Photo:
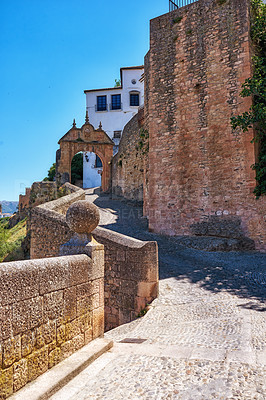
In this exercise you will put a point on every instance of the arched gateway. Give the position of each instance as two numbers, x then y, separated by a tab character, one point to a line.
84	139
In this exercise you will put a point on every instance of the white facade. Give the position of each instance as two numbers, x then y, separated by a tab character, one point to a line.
92	175
113	110
114	120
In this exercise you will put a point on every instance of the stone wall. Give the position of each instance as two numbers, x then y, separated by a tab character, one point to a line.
128	163
130	276
131	266
49	308
24	200
48	226
199	168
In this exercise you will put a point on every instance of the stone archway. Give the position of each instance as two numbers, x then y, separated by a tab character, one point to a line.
84	139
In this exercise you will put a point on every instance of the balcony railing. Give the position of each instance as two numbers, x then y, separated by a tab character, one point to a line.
174	4
114	107
100	108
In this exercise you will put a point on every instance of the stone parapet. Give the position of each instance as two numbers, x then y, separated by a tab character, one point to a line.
131	265
131	276
49	229
49	308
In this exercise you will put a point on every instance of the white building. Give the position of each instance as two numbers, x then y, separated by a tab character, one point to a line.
115	106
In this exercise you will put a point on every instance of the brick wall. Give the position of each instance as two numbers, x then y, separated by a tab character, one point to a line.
199	168
128	163
49	308
131	266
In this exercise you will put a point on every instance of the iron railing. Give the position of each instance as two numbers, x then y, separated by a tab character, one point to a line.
174	4
116	107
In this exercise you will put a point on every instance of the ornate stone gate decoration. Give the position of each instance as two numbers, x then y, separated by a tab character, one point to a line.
86	138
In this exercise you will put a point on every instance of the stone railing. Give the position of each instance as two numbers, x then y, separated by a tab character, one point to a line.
49	229
49	308
130	276
131	265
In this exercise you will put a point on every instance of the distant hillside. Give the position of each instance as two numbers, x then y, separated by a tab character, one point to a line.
12	241
9	206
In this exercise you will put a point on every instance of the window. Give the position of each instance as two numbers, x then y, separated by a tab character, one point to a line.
134	99
101	103
98	162
117	134
116	102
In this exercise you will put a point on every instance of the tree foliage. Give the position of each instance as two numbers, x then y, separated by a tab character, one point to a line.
255	86
51	173
77	168
117	82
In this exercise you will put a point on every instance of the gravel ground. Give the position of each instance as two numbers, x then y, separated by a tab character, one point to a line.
203	338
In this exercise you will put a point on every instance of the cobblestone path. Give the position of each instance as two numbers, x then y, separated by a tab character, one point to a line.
203	338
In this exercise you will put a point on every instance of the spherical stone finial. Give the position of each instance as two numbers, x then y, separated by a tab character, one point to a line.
82	217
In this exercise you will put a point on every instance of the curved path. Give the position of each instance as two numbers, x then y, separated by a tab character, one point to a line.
203	338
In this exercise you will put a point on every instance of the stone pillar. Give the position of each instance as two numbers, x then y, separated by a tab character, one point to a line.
82	218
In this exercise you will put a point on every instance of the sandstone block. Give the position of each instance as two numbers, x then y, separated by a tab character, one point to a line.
37	363
73	328
20	370
27	343
53	304
78	269
60	334
98	322
6	383
85	322
19	280
147	289
11	351
54	275
51	346
54	357
84	305
70	304
27	314
88	335
5	322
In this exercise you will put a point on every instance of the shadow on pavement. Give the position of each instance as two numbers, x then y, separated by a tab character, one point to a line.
240	273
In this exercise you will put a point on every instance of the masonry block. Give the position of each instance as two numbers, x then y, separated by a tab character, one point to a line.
37	363
20	370
11	351
6	383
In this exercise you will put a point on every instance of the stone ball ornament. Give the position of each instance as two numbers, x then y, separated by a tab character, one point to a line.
82	217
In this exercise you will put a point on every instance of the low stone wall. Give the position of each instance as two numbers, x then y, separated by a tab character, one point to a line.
49	229
49	308
130	277
131	266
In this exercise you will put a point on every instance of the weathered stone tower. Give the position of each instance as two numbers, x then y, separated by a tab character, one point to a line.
200	176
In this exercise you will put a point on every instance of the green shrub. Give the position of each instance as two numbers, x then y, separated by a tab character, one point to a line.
255	86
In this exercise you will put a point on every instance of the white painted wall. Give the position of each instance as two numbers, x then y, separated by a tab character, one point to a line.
115	120
91	175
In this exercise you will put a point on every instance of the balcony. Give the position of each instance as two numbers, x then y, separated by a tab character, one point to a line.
101	108
174	4
115	107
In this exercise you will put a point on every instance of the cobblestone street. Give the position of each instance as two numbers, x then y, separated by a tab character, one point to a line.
203	338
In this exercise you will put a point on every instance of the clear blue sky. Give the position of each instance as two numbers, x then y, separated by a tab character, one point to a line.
50	51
